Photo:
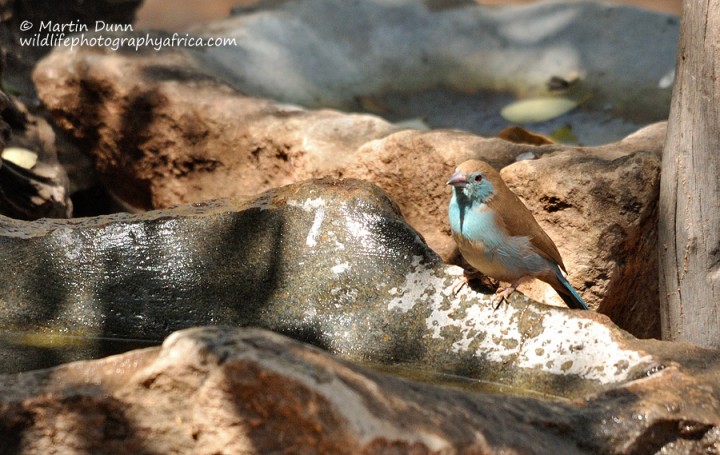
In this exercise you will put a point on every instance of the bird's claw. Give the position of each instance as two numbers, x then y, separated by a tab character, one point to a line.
460	283
464	280
501	295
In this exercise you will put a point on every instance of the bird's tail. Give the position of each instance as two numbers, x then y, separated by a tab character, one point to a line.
568	293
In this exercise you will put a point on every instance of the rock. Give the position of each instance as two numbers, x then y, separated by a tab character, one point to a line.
413	167
33	184
649	139
34	193
174	128
221	390
371	48
174	152
600	207
397	161
48	189
454	64
171	130
166	133
4	127
331	262
20	58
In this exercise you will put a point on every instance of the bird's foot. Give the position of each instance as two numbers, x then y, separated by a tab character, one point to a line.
465	279
501	295
459	283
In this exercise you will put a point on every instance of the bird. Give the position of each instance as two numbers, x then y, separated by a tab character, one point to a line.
498	235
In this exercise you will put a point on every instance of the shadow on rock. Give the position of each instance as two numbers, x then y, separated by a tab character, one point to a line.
224	390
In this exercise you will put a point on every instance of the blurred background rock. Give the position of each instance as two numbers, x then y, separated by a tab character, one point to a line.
156	14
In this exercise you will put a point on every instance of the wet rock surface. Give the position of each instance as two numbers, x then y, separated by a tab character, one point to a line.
221	390
331	262
169	269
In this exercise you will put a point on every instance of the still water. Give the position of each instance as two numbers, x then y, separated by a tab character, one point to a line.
24	351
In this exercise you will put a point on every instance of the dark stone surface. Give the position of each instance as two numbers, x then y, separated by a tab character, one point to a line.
144	276
331	262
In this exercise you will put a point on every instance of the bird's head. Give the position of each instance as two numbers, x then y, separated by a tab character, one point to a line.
474	180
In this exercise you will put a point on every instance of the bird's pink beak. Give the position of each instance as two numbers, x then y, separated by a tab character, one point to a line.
458	180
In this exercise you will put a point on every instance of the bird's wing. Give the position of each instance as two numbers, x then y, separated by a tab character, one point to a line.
517	220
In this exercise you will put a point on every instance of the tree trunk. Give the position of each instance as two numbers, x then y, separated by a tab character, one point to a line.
689	206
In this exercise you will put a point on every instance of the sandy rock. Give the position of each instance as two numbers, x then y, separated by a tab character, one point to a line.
158	142
599	206
166	133
414	166
648	139
221	390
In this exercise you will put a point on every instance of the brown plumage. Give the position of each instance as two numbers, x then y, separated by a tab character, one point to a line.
498	235
512	216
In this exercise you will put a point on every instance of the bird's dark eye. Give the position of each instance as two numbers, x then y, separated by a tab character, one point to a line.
478	178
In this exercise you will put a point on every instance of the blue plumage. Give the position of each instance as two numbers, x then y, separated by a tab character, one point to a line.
498	235
572	299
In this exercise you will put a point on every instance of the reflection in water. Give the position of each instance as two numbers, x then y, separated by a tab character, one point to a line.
24	351
421	374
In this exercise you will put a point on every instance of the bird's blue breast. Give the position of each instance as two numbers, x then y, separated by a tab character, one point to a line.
486	247
474	221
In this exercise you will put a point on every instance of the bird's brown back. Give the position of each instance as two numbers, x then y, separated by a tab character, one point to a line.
514	217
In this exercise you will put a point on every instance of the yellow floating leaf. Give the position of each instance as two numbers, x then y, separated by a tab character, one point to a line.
537	109
22	157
